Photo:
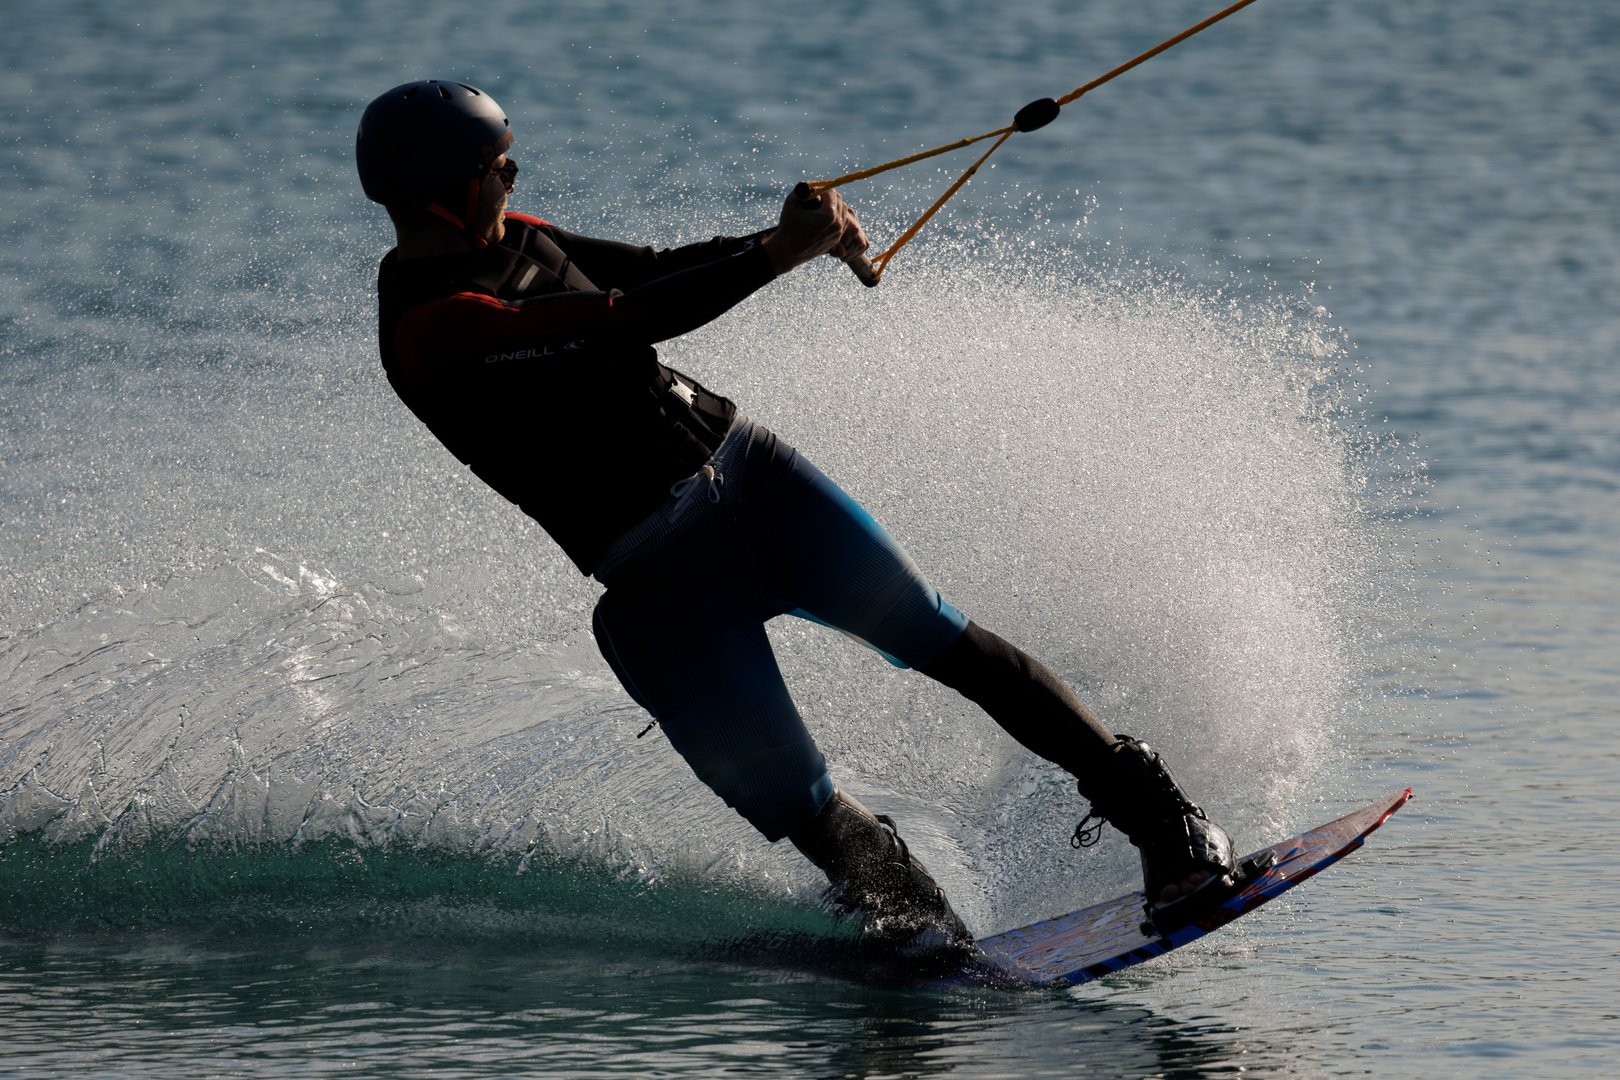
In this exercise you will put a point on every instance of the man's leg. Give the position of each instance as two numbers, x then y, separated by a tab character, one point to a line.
825	557
821	556
691	652
699	661
1034	706
1127	784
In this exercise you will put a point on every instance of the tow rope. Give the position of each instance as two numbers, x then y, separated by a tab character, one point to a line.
1037	114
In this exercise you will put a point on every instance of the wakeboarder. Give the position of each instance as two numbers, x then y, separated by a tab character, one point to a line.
528	350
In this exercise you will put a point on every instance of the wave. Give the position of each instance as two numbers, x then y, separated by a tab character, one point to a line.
335	895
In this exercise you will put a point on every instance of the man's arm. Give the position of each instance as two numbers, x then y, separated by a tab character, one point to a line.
474	326
802	234
612	264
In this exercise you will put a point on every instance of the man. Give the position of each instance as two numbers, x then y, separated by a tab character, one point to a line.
528	351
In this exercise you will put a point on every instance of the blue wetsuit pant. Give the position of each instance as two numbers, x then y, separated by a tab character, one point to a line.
760	533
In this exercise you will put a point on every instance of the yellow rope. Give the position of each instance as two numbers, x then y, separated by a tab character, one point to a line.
1155	51
825	185
881	262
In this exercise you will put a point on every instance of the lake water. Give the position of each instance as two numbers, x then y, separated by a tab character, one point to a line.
1269	394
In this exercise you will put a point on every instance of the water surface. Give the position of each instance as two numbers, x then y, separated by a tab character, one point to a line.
1269	395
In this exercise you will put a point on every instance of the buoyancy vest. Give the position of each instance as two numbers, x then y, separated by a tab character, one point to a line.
548	386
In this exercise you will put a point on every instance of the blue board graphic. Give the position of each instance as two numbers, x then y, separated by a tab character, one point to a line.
1097	941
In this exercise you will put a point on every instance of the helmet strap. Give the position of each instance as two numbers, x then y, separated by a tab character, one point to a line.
470	222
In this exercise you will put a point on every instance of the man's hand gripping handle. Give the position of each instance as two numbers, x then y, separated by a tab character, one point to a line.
858	264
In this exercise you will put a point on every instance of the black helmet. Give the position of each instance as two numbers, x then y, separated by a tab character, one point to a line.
417	138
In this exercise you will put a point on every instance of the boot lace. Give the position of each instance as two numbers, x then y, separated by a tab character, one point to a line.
1085	834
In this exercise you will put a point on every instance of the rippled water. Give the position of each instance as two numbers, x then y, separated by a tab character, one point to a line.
1269	395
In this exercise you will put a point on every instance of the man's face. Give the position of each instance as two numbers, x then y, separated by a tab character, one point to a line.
490	224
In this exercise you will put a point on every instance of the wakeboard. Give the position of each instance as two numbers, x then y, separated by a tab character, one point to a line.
1114	935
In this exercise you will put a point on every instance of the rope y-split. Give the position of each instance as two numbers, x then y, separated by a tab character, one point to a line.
1035	115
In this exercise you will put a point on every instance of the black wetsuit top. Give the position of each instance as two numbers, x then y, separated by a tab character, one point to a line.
532	361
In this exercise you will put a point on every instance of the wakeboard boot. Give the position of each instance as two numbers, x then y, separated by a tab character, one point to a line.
1174	836
874	875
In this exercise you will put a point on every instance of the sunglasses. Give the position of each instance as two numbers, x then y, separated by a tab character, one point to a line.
507	173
